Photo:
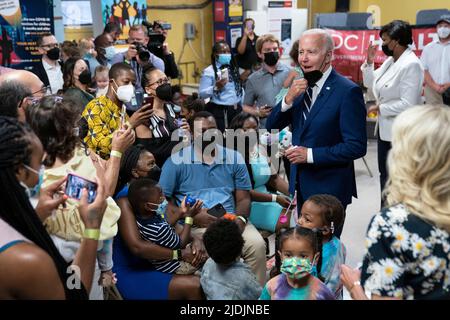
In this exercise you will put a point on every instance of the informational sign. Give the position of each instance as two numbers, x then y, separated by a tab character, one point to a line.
235	33
22	22
235	10
351	48
125	13
280	23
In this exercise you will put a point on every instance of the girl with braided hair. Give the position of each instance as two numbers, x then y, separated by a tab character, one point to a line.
32	267
222	84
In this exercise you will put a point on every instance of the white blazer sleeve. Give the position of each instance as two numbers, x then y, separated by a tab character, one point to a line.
368	73
410	85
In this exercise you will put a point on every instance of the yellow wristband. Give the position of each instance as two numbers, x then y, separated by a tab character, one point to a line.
93	234
115	153
189	220
174	255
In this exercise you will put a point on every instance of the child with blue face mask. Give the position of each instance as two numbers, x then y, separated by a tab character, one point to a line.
146	199
300	253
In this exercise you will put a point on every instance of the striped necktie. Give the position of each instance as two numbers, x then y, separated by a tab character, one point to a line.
307	102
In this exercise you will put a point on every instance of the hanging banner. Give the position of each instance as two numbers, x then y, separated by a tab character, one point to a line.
22	22
351	48
125	13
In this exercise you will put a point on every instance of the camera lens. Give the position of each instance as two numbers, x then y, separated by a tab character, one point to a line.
144	55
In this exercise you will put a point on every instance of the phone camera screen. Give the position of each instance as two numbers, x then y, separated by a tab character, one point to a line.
75	185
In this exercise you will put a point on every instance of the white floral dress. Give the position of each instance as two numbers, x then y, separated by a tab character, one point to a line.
406	257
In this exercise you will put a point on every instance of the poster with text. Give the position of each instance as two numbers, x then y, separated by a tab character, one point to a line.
22	22
125	13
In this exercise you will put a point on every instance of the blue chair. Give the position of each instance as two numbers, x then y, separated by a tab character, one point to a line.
360	20
330	20
430	17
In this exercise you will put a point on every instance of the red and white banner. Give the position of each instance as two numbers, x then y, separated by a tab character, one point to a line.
351	48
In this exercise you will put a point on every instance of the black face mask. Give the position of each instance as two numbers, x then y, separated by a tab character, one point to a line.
386	50
53	54
164	92
85	77
271	58
313	76
154	173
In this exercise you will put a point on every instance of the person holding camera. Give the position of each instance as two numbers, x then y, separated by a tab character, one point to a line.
221	83
137	56
160	47
246	48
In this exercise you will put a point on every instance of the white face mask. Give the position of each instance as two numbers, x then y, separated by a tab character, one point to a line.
125	93
443	32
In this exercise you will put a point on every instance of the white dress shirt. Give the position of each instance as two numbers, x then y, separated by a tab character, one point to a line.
55	76
436	60
316	90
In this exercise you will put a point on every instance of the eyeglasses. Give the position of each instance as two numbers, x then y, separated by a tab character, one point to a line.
43	91
50	45
36	100
160	82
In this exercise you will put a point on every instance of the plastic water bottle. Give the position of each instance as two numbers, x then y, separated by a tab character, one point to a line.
190	201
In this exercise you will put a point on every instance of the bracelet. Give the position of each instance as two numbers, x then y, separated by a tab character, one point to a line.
356	283
242	219
117	154
274	198
93	234
189	220
180	256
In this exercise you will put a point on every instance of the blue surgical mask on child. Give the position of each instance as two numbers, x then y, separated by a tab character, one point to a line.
34	191
224	58
161	208
298	268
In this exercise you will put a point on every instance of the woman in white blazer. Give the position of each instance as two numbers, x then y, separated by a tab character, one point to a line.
396	85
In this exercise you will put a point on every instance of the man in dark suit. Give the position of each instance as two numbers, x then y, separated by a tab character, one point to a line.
49	69
328	119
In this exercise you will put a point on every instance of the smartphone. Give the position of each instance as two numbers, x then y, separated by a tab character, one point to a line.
249	26
224	73
148	99
75	185
122	116
217	211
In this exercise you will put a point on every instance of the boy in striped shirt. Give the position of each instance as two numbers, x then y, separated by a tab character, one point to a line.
145	196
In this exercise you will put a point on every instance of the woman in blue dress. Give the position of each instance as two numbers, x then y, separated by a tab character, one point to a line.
268	209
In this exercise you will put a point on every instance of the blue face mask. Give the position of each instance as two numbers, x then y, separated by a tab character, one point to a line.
34	192
161	209
224	58
110	52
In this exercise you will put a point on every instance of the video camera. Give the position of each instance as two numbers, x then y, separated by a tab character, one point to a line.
155	45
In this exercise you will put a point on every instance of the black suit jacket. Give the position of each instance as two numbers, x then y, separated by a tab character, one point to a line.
38	69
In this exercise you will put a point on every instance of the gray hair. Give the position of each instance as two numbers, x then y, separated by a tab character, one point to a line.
326	37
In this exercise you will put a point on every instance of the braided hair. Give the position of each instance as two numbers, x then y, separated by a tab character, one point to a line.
16	209
233	69
314	236
129	161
